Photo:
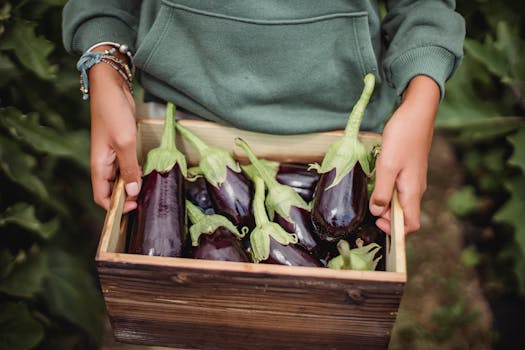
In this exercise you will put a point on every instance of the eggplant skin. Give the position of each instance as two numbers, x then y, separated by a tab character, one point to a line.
197	193
220	245
233	199
297	176
338	211
290	255
303	228
161	215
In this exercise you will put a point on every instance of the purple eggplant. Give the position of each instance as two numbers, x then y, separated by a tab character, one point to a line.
296	175
214	237
197	193
340	197
339	210
230	191
161	210
270	243
284	205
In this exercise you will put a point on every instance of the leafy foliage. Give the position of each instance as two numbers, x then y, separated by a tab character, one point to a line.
484	115
49	297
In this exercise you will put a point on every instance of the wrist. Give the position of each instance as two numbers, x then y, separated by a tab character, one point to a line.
93	66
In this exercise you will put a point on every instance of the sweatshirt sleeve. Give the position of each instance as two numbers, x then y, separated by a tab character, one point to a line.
85	23
423	37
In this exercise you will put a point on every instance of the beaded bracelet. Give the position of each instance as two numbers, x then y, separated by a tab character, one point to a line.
89	59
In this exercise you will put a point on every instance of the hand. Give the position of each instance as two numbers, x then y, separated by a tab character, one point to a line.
403	161
113	136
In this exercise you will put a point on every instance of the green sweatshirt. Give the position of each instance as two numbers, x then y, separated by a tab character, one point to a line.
275	66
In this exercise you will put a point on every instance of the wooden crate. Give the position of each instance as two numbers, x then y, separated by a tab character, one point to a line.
199	304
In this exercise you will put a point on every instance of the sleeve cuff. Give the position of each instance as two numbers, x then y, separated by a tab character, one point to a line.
433	61
102	29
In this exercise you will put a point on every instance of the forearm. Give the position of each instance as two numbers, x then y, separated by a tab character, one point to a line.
421	98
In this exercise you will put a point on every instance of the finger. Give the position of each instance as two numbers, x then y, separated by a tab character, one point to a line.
128	165
102	178
383	224
129	206
410	202
386	175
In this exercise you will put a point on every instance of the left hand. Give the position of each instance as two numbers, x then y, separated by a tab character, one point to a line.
403	161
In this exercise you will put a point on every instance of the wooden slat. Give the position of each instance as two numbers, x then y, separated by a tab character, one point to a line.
230	310
112	239
304	148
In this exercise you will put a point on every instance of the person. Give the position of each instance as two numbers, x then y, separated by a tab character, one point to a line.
271	66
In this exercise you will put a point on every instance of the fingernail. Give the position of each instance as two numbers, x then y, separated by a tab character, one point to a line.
132	189
376	209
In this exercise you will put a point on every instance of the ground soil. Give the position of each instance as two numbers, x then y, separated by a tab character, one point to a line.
443	306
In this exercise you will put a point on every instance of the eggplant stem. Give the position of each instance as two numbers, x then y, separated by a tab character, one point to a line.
207	224
344	249
164	157
261	169
354	120
194	213
167	140
196	141
259	210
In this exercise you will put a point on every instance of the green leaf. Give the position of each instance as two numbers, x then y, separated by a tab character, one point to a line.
7	262
470	256
18	328
19	167
73	145
464	201
27	275
23	215
517	158
31	50
8	69
71	293
462	103
512	211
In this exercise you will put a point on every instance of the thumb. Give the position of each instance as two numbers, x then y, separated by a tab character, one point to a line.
383	189
129	170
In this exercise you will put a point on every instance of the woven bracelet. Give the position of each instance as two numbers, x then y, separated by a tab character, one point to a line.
89	59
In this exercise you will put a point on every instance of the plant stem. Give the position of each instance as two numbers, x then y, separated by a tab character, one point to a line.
259	210
196	141
194	213
261	169
354	120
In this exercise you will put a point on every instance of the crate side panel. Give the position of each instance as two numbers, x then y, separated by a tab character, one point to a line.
255	307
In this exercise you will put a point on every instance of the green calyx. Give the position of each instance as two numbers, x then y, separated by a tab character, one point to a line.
361	258
163	158
207	224
213	160
280	197
344	153
260	236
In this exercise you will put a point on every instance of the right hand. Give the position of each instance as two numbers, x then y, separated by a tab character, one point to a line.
113	136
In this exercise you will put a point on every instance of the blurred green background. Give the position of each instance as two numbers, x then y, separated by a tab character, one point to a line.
49	225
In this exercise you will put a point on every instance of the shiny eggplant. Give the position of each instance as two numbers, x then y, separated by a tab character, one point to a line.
197	192
214	237
230	191
284	205
340	197
338	211
270	243
161	211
